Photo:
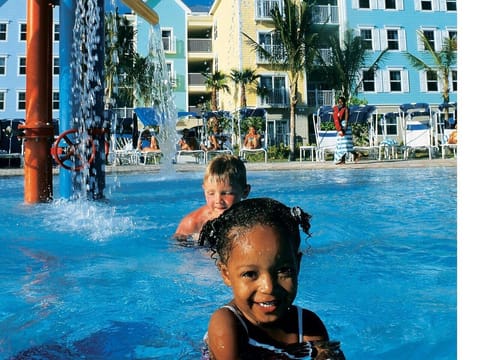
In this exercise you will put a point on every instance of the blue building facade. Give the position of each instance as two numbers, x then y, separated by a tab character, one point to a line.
173	27
394	24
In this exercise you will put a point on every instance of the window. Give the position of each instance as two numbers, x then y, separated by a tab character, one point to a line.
454	80
388	124
56	100
272	44
364	4
432	81
392	40
395	81
3	31
3	65
426	5
168	41
368	81
430	35
366	35
22	65
452	34
171	73
2	100
264	7
56	65
56	32
23	32
21	100
390	4
451	5
272	90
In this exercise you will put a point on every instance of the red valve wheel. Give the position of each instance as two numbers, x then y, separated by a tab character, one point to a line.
64	155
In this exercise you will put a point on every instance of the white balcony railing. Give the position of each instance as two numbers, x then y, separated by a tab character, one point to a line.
322	14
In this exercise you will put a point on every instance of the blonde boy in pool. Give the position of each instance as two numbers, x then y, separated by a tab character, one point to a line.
224	184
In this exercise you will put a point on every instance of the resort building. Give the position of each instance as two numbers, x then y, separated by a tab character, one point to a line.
213	40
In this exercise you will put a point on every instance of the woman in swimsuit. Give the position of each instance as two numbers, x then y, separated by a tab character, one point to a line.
256	245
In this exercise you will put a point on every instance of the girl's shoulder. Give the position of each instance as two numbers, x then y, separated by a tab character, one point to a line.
313	326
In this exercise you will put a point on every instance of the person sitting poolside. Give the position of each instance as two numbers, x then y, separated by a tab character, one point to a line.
145	145
188	141
252	139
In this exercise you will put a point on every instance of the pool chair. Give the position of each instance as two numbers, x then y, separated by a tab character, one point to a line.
244	152
326	140
416	120
445	145
124	153
225	141
190	156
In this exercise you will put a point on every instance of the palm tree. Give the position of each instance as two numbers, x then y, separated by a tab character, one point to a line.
215	82
119	60
244	78
348	58
293	31
443	62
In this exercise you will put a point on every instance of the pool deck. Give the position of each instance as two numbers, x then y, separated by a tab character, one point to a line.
271	165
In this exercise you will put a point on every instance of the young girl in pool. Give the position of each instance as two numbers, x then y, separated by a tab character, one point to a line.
256	245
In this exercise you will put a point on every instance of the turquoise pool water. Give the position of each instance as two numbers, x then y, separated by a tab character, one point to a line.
104	280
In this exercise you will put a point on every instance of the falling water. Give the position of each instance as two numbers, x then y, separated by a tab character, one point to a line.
162	96
90	90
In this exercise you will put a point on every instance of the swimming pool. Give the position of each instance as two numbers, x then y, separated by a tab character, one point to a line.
103	280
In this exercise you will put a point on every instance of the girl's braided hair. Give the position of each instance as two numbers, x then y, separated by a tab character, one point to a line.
220	233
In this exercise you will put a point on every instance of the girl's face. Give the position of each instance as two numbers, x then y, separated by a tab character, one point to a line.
221	195
262	271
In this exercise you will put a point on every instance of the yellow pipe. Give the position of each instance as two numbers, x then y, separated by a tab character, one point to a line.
142	10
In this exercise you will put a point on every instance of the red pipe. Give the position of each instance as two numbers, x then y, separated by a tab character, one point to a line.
38	128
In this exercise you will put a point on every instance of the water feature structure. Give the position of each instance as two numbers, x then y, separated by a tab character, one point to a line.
84	124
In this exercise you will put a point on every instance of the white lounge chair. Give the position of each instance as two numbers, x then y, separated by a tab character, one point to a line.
416	122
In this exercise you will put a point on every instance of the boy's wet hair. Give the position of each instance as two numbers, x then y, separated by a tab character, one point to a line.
220	233
227	167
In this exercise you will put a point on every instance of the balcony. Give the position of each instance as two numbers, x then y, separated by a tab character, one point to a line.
317	98
325	14
200	46
264	8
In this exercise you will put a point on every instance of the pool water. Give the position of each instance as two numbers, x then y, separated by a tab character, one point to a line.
104	280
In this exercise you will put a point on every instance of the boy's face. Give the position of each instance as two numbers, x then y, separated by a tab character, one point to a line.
221	195
262	271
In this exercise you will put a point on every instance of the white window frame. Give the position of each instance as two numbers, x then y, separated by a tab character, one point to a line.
402	46
21	32
374	4
423	83
271	45
55	100
404	83
20	66
375	36
56	66
19	101
435	5
172	75
443	5
437	39
4	66
263	8
274	76
5	32
398	5
3	100
170	40
56	32
377	85
451	81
